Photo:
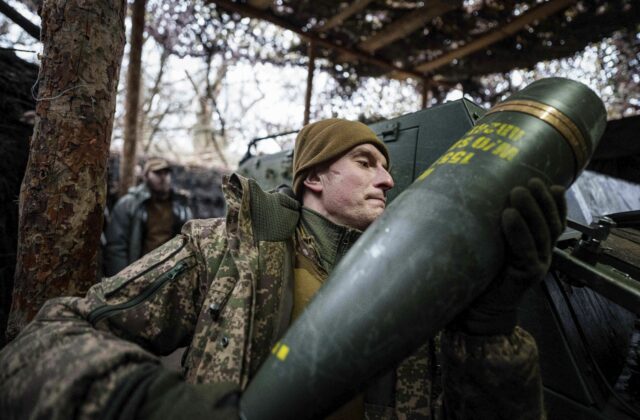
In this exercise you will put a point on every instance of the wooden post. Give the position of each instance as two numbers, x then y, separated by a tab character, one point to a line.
132	101
311	67
425	93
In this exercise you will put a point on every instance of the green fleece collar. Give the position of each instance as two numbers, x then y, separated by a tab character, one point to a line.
274	215
332	241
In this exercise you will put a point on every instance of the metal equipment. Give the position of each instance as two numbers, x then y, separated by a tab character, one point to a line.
582	354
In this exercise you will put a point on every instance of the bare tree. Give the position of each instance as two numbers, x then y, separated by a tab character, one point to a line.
64	188
147	120
133	96
208	104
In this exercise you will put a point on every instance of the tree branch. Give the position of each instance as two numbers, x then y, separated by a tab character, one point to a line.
203	102
21	21
156	127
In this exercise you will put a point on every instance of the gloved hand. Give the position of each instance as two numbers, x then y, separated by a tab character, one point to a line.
170	397
531	224
155	393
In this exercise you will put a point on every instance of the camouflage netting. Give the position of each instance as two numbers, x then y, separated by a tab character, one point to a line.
559	35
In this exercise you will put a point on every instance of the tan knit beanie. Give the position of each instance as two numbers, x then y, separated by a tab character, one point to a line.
324	140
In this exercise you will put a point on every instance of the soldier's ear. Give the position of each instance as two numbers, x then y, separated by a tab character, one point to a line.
312	181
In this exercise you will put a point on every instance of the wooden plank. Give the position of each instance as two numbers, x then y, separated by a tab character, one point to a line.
311	52
252	12
407	24
527	18
260	4
344	14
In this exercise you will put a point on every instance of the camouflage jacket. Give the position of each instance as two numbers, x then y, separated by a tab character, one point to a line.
199	290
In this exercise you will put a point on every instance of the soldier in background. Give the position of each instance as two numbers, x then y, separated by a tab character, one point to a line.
229	288
146	217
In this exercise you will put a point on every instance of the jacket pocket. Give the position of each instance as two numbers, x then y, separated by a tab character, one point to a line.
143	279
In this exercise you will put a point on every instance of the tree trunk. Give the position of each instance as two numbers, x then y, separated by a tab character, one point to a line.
64	189
132	102
311	52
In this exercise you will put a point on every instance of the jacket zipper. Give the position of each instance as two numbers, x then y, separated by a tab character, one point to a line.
154	266
106	311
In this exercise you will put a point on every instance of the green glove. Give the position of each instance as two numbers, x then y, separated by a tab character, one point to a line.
531	224
169	397
155	393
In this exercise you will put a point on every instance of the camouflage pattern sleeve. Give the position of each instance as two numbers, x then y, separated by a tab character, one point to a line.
154	302
71	360
491	377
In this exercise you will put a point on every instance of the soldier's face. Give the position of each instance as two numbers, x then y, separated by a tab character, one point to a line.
159	181
354	187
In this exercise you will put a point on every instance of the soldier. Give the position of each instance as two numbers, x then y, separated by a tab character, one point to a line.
228	289
146	217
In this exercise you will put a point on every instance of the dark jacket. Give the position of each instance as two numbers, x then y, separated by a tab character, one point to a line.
125	231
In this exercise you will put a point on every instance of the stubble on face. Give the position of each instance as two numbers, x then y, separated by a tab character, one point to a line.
159	182
354	187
